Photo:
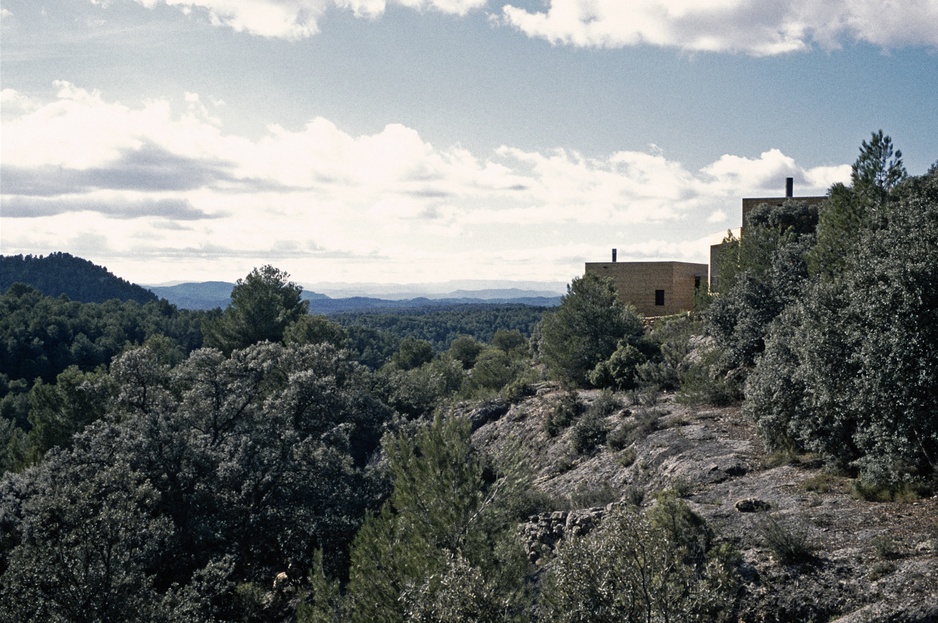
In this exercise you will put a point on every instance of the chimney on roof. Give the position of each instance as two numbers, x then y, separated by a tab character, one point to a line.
789	187
613	255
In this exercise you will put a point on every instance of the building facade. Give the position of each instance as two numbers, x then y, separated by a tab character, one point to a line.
654	288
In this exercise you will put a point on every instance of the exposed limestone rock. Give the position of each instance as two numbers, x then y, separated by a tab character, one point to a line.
713	458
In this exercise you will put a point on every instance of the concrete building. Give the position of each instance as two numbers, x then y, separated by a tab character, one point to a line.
654	288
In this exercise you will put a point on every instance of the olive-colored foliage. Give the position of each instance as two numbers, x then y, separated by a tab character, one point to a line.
585	329
201	483
874	176
86	542
442	548
466	349
263	305
589	432
442	326
46	341
417	392
41	336
789	545
311	329
412	353
769	274
850	370
620	371
675	339
641	566
371	347
510	341
564	412
495	368
59	411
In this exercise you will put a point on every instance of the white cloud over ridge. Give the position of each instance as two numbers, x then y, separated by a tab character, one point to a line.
162	180
756	28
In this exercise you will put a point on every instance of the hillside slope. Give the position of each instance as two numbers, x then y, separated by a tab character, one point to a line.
869	561
78	279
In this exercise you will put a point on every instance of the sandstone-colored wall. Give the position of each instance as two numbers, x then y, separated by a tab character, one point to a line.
637	282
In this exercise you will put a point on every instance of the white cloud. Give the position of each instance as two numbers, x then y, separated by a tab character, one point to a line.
718	217
83	164
298	19
756	28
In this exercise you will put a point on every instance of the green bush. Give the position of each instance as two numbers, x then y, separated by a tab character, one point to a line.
641	566
465	349
563	413
707	381
589	432
850	369
413	353
619	437
619	371
494	369
585	329
788	545
676	339
605	404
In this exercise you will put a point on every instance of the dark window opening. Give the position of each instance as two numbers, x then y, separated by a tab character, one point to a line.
696	282
659	297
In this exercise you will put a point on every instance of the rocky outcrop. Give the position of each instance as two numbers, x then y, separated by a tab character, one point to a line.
542	532
870	561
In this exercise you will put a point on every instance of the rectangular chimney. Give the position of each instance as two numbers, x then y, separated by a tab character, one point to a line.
613	255
789	187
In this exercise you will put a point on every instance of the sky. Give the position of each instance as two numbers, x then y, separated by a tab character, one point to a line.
428	141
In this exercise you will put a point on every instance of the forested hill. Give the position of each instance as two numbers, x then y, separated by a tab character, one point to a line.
77	278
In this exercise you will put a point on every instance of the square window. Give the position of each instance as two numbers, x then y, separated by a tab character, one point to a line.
659	297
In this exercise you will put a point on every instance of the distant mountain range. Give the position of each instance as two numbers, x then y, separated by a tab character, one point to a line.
82	280
212	294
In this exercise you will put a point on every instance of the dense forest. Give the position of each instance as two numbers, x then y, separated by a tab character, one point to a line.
76	278
264	464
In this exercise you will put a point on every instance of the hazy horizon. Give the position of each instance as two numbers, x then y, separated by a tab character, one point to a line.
424	141
408	290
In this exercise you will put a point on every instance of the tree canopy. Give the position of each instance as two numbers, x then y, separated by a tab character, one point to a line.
263	305
585	329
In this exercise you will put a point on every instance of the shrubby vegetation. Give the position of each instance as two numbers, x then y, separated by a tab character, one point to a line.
827	323
441	327
201	481
850	368
53	352
642	566
313	467
590	326
442	548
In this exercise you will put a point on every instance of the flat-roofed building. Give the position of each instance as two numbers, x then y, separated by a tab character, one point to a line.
665	288
654	288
